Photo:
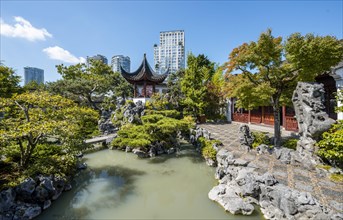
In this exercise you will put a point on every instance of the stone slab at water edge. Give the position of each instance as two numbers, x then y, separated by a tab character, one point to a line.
31	197
240	187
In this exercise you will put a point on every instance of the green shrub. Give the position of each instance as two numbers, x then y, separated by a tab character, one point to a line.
166	113
260	138
11	152
291	143
331	145
151	118
190	121
156	126
61	165
159	102
207	149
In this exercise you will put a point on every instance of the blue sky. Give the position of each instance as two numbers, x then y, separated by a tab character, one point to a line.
46	33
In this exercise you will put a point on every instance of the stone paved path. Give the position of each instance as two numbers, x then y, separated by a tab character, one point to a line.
326	191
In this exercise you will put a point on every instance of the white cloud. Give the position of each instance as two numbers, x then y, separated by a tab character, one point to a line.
58	53
23	29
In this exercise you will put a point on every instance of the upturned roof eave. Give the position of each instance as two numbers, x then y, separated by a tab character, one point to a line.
144	73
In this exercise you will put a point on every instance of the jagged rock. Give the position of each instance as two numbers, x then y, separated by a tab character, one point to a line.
40	194
57	194
152	151
140	153
264	149
7	198
47	183
27	211
67	187
206	134
79	155
105	124
230	201
244	148
245	136
210	162
335	170
308	101
59	183
216	146
81	166
171	150
240	187
240	162
25	189
285	155
267	179
128	149
46	204
248	186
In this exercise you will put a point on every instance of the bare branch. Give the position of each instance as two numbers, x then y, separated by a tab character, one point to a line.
25	110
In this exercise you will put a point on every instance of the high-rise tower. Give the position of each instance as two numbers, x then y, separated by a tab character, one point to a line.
171	51
120	60
33	74
97	57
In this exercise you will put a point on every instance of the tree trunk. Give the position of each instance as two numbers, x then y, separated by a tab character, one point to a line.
277	124
26	154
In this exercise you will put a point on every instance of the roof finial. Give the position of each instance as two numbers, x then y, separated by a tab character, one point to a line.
144	55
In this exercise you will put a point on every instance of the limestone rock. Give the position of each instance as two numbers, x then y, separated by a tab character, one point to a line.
27	211
245	136
46	204
308	101
240	187
140	153
7	198
40	194
25	189
264	149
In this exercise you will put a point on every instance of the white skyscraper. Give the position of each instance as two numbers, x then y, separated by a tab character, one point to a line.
97	57
33	74
171	51
120	60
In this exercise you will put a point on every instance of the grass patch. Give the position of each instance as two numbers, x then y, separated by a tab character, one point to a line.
323	166
291	143
336	177
260	138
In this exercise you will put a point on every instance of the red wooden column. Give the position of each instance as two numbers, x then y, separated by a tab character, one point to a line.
144	87
284	116
262	119
249	117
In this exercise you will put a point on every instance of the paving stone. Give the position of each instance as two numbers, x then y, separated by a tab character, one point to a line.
299	178
280	173
282	181
327	183
261	170
336	205
301	171
280	168
262	164
303	186
264	159
333	193
249	157
302	178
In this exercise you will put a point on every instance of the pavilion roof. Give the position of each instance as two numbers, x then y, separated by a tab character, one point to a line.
144	73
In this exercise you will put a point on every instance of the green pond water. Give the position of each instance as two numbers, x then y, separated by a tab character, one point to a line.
118	185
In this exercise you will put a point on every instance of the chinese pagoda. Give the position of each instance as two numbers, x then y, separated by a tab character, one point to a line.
145	80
